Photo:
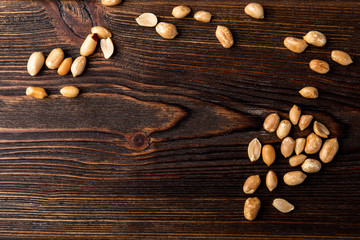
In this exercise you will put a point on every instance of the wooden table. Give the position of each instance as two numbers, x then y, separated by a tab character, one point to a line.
155	146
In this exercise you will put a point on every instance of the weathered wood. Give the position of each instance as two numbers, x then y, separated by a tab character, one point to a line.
155	146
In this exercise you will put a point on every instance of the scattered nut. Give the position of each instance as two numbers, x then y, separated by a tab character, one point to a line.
294	178
89	45
299	145
224	36
321	130
268	154
284	129
181	11
254	150
147	20
101	32
329	150
55	58
315	38
203	16
251	208
295	44
271	122
271	180
311	166
255	10
65	66
297	160
309	92
313	143
166	30
287	146
251	184
305	121
35	63
319	66
294	114
282	205
341	57
110	3
107	47
36	92
78	66
69	91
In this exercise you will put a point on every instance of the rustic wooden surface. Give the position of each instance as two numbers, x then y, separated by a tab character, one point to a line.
155	147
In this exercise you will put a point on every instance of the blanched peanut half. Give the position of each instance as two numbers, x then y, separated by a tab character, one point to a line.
89	45
107	47
294	178
251	208
36	92
311	166
181	11
268	154
101	32
69	91
282	205
299	145
309	92
284	129
294	114
315	38
166	30
254	150
295	44
321	130
287	146
271	180
313	143
297	160
341	57
271	122
224	36
110	3
55	58
329	150
65	66
203	16
305	121
255	10
251	184
78	66
35	63
147	20
319	66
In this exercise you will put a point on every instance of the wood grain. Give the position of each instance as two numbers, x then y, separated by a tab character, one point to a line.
155	146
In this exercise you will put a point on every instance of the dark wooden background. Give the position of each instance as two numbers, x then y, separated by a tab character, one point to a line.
155	146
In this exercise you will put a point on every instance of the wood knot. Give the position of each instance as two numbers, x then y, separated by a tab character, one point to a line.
139	140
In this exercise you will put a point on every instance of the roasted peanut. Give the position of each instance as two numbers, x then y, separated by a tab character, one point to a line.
271	122
251	208
329	150
107	47
55	58
65	66
287	146
35	63
311	166
295	44
282	205
224	36
294	178
78	66
203	16
101	32
166	30
305	121
271	180
313	143
284	129
36	92
181	11
309	92
321	130
299	145
69	91
341	57
268	154
89	45
297	160
315	38
147	20
251	184
255	10
294	114
110	3
254	150
319	66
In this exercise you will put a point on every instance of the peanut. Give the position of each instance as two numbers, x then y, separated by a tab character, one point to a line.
89	45
147	20
271	122
294	114
329	150
313	143
55	58
305	121
268	154
294	178
282	205
341	57
107	47
319	66
224	36
309	92
78	66
36	92
299	145
254	150
295	44
101	32
35	63
65	66
166	30
284	129
251	208
271	180
311	166
255	10
315	38
321	130
69	91
203	16
251	184
287	146
110	3
181	11
297	160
